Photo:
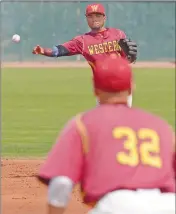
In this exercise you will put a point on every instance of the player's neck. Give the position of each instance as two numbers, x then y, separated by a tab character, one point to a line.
99	30
114	100
112	97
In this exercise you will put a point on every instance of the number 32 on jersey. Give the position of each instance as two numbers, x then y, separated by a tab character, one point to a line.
147	153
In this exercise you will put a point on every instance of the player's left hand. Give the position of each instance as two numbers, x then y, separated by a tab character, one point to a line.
129	48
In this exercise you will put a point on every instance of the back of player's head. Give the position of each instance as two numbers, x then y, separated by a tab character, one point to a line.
113	75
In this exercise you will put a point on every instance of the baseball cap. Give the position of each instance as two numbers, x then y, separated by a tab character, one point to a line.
114	74
95	8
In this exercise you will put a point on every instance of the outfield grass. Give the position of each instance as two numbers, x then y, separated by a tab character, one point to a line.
37	102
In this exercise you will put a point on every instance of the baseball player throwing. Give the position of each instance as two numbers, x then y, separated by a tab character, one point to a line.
97	44
122	157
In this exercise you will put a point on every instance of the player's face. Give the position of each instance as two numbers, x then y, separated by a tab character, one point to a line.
95	21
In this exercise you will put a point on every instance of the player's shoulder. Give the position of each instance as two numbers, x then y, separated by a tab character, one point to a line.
142	113
78	38
88	114
72	124
78	117
117	30
113	29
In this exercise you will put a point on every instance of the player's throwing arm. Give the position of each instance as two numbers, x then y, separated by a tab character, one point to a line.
97	44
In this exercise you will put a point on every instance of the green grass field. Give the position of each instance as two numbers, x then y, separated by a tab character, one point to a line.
36	103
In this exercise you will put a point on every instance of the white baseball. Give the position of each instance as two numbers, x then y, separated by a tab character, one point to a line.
15	38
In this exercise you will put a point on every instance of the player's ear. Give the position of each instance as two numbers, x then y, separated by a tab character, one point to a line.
96	93
133	86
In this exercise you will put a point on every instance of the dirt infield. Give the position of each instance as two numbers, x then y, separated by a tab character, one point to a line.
23	194
78	64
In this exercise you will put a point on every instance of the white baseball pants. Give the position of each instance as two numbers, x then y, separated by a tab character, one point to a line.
136	202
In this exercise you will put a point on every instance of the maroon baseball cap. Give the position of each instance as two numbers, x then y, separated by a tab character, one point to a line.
95	8
114	74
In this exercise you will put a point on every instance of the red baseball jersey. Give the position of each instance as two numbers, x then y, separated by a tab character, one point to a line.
174	163
96	46
114	147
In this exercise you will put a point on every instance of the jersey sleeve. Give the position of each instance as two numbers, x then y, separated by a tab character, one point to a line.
74	46
66	156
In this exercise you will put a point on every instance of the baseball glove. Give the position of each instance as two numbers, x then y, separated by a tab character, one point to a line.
129	48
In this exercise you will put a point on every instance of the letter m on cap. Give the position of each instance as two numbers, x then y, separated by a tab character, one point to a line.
94	8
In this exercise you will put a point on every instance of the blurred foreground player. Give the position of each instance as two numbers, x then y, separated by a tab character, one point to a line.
97	44
122	157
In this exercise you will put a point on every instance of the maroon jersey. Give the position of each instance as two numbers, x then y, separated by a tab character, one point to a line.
96	46
114	147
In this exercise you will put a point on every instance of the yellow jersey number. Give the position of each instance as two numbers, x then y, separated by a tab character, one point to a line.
147	153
